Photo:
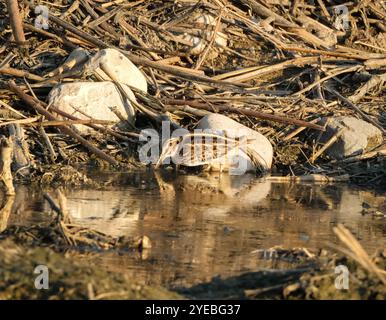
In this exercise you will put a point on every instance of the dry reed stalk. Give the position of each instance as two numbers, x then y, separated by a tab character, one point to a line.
357	109
202	57
49	145
366	156
328	144
248	75
20	73
356	252
16	21
246	112
298	130
374	81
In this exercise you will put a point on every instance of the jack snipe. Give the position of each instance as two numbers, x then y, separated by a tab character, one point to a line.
197	149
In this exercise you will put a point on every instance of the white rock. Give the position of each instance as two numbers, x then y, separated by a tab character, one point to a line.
358	136
198	43
111	62
92	99
232	129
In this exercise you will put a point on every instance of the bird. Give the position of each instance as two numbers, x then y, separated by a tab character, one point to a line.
215	151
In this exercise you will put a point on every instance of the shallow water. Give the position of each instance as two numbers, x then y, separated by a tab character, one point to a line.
208	225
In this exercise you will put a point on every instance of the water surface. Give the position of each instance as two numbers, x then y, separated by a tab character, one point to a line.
208	225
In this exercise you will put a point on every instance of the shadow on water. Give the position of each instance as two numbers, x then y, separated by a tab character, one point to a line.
207	225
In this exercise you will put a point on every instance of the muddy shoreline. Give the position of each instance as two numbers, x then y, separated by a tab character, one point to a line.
313	278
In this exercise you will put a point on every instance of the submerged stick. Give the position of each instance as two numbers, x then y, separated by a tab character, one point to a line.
52	203
65	129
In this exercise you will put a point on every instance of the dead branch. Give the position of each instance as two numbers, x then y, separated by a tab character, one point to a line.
16	22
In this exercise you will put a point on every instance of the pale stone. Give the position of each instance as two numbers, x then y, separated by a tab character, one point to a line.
86	100
110	62
198	43
232	129
358	136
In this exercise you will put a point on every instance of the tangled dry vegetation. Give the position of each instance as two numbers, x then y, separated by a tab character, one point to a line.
286	65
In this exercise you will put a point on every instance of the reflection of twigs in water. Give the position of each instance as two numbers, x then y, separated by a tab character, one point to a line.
166	189
5	212
62	219
60	209
356	252
5	165
74	234
310	178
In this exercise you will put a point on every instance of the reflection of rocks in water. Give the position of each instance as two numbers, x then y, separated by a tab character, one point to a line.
111	212
304	214
325	197
119	212
220	191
